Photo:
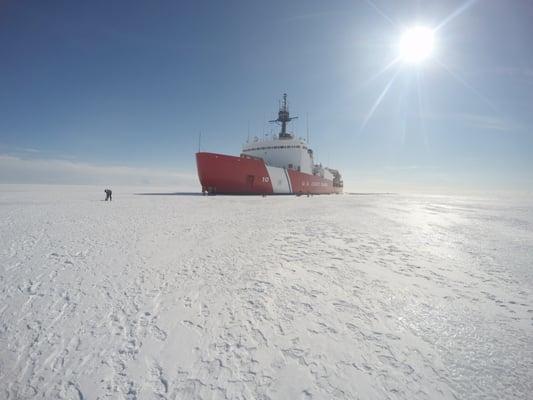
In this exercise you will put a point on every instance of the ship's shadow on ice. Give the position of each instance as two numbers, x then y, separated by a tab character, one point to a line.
372	194
215	195
170	194
253	194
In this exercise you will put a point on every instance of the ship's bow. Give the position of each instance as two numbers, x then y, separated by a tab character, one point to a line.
224	174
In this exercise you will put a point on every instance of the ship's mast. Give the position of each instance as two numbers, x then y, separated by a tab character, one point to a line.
284	117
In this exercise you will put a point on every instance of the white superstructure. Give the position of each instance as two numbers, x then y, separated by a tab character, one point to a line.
288	153
283	150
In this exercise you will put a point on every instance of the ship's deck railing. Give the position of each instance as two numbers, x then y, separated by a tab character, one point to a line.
250	157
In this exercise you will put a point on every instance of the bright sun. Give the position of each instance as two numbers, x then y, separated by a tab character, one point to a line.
416	44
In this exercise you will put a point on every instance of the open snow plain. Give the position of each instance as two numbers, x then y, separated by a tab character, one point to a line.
333	297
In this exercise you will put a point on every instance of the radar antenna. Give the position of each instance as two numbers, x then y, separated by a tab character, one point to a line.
283	117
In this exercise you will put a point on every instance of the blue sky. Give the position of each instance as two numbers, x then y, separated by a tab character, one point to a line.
129	84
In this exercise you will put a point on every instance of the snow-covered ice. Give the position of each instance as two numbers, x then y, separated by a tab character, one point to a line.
327	297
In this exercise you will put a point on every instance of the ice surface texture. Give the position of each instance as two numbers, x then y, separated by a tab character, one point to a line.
190	297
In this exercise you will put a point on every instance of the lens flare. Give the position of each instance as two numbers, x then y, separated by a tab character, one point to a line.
416	45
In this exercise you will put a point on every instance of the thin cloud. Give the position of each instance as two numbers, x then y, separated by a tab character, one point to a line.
310	16
481	121
18	150
521	73
485	122
15	169
410	167
518	74
28	150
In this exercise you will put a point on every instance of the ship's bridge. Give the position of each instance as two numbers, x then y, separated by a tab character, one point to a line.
284	150
287	152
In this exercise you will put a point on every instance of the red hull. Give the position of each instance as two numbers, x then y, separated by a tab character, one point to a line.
225	174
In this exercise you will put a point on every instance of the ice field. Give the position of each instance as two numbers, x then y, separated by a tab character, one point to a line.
327	297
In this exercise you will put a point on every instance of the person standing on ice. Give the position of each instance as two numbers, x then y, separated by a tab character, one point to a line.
108	194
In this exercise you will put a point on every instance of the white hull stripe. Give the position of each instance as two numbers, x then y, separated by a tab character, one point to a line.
288	180
279	180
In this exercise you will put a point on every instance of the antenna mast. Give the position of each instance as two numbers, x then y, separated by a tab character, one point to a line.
307	126
284	117
199	141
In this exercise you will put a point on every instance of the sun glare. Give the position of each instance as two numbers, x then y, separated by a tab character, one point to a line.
416	45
